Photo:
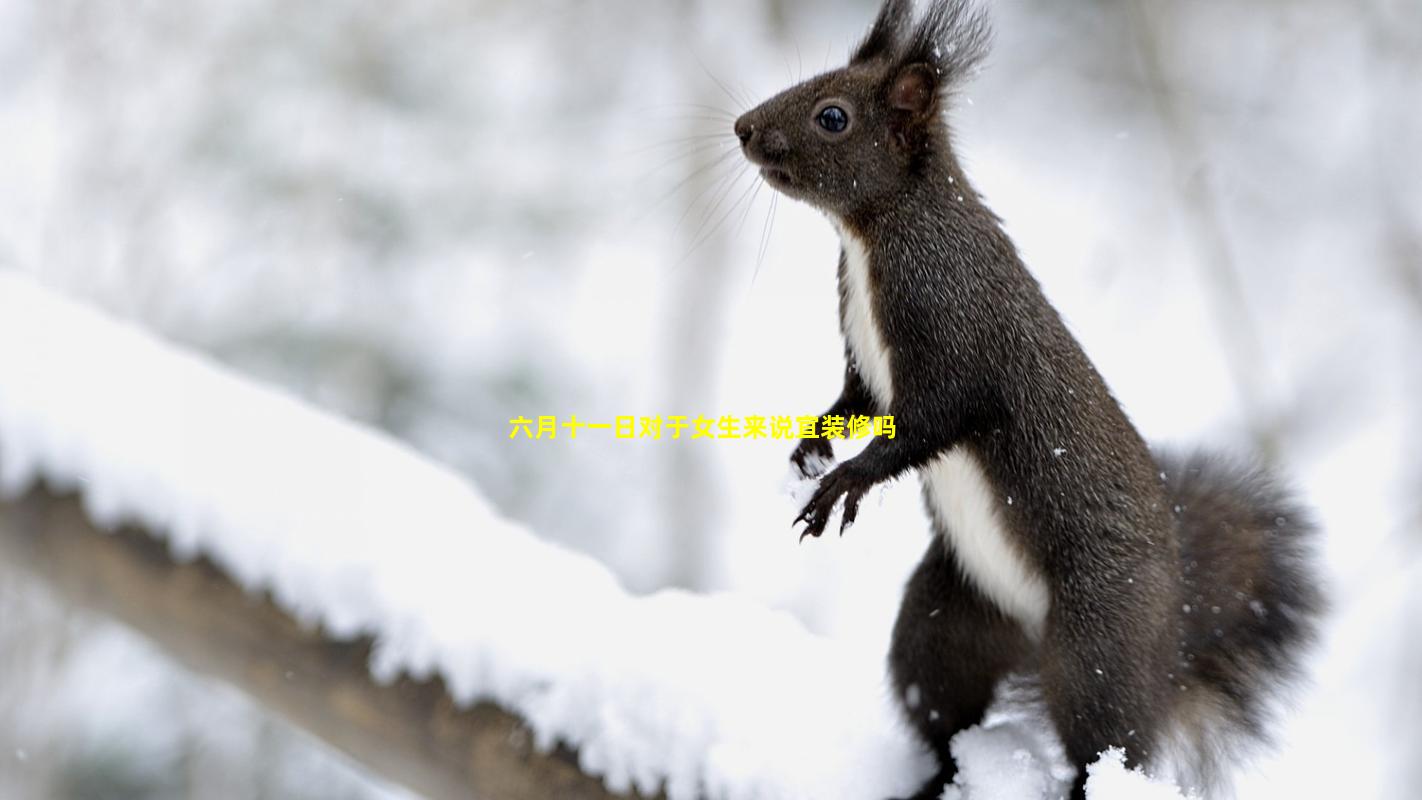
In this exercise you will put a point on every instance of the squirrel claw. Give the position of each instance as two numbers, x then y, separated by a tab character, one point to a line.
841	482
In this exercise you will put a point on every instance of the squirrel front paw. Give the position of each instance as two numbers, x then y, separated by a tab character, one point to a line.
847	481
812	457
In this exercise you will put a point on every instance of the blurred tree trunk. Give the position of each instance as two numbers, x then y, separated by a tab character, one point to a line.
696	321
1395	44
1185	145
702	280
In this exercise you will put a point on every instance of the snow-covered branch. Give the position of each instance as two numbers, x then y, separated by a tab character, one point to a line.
407	731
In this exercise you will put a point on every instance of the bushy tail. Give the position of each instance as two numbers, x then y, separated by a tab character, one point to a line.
1251	600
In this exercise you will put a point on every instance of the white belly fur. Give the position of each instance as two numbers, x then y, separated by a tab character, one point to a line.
969	512
963	501
861	329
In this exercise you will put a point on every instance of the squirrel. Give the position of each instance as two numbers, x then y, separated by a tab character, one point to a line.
1162	601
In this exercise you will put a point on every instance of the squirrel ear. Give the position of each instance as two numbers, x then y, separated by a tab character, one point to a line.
915	90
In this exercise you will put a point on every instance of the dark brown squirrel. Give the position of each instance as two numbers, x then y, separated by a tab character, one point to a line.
1160	600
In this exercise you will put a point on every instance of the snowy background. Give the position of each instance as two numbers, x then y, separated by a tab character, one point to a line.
433	217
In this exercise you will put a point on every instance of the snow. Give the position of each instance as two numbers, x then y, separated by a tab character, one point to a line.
1015	754
1109	777
712	696
1012	754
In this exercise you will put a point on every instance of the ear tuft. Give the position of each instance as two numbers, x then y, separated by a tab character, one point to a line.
886	33
915	90
952	38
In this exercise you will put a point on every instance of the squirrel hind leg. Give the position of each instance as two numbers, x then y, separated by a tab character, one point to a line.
1106	685
950	648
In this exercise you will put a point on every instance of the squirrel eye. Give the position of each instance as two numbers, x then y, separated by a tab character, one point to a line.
833	119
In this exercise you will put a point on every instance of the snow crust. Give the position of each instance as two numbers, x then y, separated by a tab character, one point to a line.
704	696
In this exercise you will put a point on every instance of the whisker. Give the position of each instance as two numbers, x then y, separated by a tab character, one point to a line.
699	117
716	205
746	214
718	82
748	94
722	219
755	273
697	140
718	162
716	110
656	111
707	150
712	191
765	235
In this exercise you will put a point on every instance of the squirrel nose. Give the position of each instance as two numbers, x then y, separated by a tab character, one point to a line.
744	131
760	141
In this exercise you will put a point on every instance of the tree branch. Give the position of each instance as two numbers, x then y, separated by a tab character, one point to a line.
409	732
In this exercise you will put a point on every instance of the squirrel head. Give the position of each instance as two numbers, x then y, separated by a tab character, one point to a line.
852	137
